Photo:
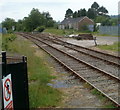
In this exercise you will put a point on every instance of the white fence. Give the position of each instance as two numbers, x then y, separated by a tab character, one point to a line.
110	30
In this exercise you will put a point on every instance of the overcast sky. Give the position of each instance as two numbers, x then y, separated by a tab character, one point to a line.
18	9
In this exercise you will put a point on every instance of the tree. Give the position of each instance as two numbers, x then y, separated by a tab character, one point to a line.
40	29
19	25
75	14
104	20
69	13
83	12
8	23
48	20
102	11
91	13
114	21
36	19
95	6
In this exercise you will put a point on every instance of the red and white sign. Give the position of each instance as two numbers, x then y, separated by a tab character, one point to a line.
7	92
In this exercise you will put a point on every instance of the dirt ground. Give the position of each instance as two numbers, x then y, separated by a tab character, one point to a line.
101	40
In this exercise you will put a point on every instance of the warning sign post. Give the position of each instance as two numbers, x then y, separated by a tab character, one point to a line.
7	92
14	83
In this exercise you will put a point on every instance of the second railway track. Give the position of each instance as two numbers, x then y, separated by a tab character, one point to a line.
108	65
105	83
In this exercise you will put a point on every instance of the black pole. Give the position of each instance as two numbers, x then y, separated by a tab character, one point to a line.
4	58
26	83
95	41
4	61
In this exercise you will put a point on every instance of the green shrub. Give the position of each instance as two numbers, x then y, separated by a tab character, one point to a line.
40	29
6	39
10	31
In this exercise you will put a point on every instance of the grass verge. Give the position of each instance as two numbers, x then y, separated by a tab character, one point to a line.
106	103
63	32
39	74
115	47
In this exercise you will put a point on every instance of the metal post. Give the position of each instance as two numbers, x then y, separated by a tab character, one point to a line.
24	58
26	82
3	67
95	41
4	58
1	86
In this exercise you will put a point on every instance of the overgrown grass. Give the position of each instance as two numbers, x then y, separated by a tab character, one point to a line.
40	94
6	39
115	47
107	103
62	32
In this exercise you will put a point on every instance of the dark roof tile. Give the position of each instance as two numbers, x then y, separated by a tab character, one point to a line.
71	20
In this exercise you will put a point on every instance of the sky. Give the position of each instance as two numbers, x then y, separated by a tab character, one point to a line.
18	9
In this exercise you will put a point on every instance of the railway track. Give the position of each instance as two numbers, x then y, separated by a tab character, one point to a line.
104	82
101	63
96	54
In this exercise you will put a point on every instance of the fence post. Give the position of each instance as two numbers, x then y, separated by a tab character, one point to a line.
4	57
95	41
26	82
3	73
1	84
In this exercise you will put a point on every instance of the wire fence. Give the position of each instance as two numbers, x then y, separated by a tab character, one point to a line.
109	30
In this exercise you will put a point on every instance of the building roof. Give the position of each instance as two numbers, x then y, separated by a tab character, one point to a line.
72	20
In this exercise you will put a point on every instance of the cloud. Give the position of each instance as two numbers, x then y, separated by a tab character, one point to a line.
18	9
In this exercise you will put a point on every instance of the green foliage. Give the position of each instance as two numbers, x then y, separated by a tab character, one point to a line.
36	19
39	75
19	25
95	12
107	103
115	47
102	11
40	29
55	31
75	14
91	13
63	32
114	21
69	13
6	39
8	23
95	5
106	21
82	12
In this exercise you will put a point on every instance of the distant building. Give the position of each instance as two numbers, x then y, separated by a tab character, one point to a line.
77	23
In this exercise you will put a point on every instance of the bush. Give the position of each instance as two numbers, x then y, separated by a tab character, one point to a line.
6	38
40	29
10	31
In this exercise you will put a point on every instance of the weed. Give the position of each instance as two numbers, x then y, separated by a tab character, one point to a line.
115	47
39	75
